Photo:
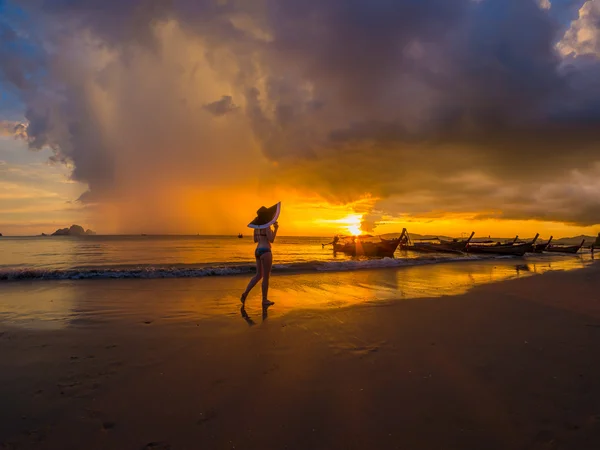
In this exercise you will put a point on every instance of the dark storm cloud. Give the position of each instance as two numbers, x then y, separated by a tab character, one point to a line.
389	97
20	58
221	107
482	75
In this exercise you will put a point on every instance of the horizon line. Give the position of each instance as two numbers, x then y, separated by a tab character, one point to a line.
488	236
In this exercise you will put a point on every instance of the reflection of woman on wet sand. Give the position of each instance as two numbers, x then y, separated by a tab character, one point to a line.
264	236
249	319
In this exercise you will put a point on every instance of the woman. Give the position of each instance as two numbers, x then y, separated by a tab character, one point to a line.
264	237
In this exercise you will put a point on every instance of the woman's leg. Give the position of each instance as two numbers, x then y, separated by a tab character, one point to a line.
266	262
255	279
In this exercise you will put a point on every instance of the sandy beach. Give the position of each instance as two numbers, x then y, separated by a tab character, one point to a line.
445	357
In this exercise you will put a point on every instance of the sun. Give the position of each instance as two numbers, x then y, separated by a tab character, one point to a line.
354	230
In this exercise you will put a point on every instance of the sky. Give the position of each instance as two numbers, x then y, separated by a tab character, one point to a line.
185	116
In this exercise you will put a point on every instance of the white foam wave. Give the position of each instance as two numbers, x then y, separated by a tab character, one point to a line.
199	272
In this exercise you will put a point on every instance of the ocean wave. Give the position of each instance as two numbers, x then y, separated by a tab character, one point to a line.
152	272
142	273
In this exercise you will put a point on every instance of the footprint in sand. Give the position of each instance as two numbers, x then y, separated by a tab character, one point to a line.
571	426
209	415
108	425
273	368
544	439
157	446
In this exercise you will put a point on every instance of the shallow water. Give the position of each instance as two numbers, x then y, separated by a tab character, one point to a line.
59	304
97	257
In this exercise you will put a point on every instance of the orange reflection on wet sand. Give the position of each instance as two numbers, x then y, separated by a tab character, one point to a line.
57	304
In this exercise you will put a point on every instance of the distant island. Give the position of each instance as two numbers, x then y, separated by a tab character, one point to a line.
74	230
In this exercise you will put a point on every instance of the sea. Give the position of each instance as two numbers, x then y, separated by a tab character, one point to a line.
103	257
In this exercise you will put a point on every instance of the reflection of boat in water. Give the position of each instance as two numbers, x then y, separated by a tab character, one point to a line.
572	249
365	245
435	245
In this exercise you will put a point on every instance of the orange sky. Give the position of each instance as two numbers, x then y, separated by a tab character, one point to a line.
37	198
194	132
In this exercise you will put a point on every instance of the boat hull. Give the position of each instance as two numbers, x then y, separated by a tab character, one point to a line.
529	247
571	249
431	248
382	249
514	250
454	246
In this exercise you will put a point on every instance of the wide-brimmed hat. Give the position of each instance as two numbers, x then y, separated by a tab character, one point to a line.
265	217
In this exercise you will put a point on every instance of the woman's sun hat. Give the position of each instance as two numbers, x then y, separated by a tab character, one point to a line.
265	217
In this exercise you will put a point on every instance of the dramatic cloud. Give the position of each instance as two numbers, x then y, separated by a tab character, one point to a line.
221	107
583	37
13	129
393	99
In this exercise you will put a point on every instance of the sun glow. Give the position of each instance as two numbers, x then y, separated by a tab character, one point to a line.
354	230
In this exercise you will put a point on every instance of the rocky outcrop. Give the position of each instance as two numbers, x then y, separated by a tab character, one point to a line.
74	230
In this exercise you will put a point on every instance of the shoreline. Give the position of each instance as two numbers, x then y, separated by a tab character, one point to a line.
482	364
58	302
242	268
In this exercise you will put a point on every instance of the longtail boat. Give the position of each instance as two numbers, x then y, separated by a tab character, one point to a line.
515	250
435	245
500	249
530	246
539	248
362	246
572	249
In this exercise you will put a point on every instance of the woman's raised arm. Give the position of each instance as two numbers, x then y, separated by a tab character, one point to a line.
273	232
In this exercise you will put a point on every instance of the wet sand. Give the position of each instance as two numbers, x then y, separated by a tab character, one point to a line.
407	359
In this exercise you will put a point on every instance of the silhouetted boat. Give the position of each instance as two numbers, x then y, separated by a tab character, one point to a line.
441	246
530	246
240	235
362	246
499	249
565	248
513	247
539	248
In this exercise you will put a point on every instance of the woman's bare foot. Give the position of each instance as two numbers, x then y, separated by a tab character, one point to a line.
266	302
